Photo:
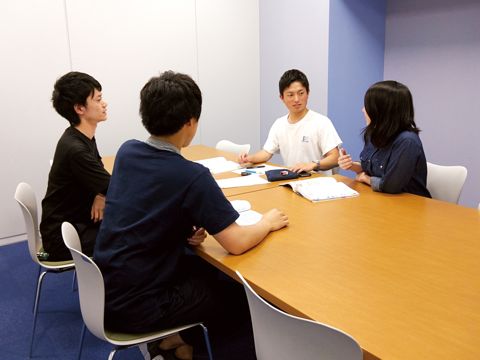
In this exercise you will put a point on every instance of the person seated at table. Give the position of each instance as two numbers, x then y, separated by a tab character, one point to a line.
157	203
77	182
392	160
306	139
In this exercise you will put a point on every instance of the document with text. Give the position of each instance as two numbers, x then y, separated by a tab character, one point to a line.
322	188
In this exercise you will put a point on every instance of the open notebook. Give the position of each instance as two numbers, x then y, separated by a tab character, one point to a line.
322	188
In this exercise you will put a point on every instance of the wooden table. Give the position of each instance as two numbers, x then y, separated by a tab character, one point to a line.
200	152
400	273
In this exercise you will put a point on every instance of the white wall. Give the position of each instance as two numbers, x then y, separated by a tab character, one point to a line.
433	46
292	35
229	70
34	52
122	44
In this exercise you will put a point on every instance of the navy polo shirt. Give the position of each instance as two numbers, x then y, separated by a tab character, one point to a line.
154	199
399	167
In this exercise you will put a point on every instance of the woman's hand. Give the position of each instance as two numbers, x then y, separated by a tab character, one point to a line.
362	177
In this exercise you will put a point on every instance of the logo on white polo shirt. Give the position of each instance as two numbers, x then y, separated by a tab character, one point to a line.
305	139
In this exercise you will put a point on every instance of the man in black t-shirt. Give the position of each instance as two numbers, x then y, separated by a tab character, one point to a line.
157	203
78	182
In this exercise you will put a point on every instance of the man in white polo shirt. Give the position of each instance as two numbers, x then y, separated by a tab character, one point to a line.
306	139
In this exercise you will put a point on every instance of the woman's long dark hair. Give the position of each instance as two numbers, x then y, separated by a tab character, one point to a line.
389	105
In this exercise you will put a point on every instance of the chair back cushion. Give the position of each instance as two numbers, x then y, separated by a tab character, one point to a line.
25	197
445	182
279	335
91	288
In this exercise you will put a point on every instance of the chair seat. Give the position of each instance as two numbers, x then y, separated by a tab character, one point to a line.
91	290
56	264
125	339
59	264
25	196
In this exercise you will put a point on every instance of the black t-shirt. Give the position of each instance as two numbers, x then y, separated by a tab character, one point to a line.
76	177
154	199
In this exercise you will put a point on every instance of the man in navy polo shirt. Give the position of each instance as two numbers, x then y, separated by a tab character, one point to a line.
157	203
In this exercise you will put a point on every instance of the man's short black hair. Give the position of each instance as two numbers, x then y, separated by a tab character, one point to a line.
289	77
169	101
73	89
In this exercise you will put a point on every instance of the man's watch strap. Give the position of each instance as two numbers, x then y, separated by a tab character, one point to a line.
317	165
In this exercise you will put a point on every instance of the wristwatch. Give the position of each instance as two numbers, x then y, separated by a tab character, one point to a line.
317	165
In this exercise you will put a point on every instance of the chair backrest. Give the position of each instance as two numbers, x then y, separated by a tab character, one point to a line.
445	182
279	335
91	288
25	197
226	145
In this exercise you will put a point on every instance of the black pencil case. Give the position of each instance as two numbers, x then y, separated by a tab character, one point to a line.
280	174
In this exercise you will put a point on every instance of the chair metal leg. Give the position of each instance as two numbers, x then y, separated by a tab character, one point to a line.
35	309
80	346
74	278
39	288
112	354
36	288
207	341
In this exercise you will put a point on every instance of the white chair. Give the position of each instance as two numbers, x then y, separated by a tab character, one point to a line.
279	335
91	290
25	196
445	182
226	145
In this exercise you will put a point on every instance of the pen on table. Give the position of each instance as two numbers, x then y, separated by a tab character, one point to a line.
255	167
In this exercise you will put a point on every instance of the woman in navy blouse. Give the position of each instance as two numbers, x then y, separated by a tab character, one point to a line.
392	160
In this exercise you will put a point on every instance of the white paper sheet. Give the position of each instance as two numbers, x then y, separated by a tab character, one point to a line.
241	181
219	164
247	216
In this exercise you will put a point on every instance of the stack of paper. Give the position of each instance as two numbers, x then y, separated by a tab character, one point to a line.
219	164
322	188
247	216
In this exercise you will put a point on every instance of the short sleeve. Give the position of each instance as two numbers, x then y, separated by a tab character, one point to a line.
329	138
208	206
89	171
272	145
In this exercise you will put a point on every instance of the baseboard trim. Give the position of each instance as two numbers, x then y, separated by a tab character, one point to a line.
13	239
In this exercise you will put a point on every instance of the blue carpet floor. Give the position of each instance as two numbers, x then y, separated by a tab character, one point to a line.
59	320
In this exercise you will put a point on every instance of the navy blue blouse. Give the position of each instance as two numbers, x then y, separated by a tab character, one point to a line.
399	167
